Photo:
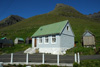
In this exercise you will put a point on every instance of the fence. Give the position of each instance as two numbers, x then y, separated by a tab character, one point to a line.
27	59
77	58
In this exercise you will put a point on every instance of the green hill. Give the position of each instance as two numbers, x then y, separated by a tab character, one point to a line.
78	21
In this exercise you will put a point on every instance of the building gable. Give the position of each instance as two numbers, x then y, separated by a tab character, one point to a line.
67	30
88	33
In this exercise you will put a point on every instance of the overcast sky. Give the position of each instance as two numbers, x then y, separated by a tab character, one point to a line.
29	8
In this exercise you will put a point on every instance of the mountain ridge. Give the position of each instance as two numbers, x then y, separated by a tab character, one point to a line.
67	11
12	19
94	15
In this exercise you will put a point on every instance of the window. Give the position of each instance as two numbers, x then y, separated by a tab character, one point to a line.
53	39
46	39
67	27
40	40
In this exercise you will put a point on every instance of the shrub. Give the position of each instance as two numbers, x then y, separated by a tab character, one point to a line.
20	65
75	64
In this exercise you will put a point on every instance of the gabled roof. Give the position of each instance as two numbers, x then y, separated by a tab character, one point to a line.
3	38
87	31
55	28
20	39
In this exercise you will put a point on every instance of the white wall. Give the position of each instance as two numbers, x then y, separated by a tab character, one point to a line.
53	48
49	44
67	38
67	41
32	42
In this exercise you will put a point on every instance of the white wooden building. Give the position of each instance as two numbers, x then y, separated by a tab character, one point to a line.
54	38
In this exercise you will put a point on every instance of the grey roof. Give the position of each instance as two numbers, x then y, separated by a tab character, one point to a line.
87	31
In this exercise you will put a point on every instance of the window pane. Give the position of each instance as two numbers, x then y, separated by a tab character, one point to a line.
67	28
53	39
46	39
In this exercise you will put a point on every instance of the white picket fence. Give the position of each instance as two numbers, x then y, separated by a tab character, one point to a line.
43	59
76	58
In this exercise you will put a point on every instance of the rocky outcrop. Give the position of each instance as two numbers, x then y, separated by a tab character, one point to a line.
62	5
95	15
12	19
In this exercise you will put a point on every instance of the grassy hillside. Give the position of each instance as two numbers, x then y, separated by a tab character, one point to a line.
78	21
28	26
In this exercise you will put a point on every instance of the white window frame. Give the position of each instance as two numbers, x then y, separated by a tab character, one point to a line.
39	40
52	40
45	40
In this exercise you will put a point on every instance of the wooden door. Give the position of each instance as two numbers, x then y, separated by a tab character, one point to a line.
35	42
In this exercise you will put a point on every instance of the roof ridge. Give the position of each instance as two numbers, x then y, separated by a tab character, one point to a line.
54	23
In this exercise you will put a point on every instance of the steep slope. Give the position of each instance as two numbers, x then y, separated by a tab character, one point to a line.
78	21
12	19
67	11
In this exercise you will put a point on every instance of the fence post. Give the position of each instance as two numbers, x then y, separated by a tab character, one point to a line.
75	58
43	58
78	58
11	58
58	59
27	58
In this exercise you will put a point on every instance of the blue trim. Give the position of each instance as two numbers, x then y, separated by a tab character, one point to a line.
64	27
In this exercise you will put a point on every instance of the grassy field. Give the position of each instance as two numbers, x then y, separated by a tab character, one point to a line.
88	63
16	48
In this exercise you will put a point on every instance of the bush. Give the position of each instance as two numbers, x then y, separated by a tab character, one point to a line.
20	65
45	65
75	64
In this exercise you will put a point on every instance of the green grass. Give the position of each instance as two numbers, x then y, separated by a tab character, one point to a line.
16	48
81	50
90	63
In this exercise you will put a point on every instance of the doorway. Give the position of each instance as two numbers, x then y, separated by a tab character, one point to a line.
35	42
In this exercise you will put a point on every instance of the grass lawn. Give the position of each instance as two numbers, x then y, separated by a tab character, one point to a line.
15	48
90	63
81	50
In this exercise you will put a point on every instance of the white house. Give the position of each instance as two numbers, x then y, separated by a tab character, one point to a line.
54	38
